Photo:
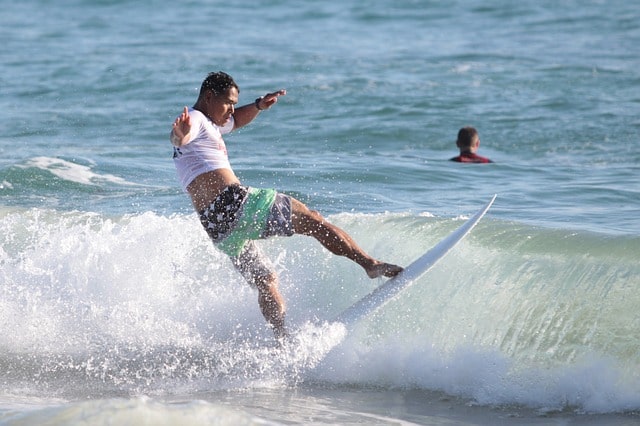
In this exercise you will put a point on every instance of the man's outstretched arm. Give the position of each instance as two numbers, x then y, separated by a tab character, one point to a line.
245	114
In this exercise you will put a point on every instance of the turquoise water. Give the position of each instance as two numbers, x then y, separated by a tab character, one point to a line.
111	292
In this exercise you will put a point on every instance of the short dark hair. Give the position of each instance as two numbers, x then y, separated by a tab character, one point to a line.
218	82
466	136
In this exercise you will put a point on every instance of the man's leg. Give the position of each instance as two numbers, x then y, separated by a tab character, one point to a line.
259	272
271	304
337	241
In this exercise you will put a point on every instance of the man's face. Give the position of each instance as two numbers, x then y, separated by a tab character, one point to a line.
221	107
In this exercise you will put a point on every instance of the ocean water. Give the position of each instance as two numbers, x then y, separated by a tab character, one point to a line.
116	309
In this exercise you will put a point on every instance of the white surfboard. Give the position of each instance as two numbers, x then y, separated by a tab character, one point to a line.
410	274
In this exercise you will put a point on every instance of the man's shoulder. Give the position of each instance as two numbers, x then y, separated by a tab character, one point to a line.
196	113
481	159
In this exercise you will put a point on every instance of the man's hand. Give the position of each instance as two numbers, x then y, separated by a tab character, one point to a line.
181	128
269	99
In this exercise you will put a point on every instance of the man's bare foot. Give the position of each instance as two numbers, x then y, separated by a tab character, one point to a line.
280	333
279	330
383	269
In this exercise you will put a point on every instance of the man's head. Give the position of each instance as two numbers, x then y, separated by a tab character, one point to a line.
218	83
218	97
468	139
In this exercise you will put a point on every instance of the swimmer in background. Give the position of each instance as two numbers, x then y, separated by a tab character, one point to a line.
468	142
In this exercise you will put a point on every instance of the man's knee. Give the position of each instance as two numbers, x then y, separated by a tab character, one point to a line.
305	220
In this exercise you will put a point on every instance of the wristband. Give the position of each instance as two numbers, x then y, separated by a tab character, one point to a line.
257	103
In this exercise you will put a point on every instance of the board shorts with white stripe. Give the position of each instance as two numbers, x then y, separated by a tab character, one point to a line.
238	216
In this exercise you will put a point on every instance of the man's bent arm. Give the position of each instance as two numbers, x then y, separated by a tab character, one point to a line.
247	113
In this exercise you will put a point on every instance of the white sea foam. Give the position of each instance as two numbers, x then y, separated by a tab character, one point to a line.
113	305
74	172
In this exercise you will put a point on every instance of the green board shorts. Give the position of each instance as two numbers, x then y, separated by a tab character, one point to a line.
240	215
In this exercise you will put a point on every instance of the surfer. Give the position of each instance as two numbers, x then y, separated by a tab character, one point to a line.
235	215
468	142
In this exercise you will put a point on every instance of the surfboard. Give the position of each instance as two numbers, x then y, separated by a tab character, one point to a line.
390	288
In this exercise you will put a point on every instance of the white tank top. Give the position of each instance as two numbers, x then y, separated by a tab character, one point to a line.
205	150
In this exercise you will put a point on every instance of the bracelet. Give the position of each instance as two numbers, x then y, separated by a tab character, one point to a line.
257	103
